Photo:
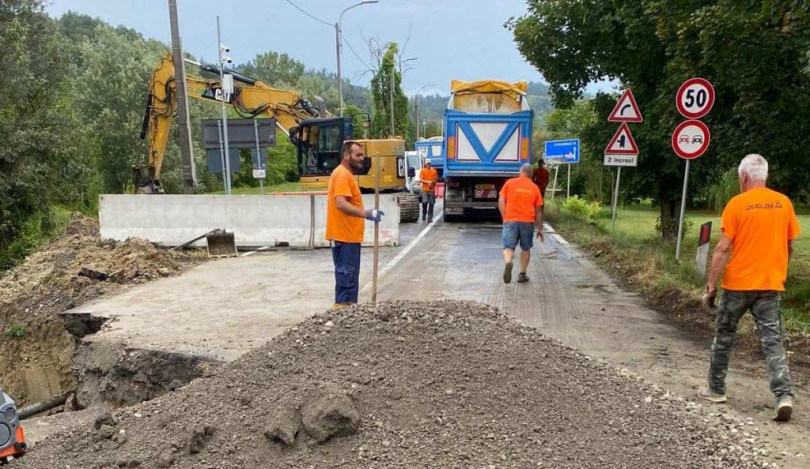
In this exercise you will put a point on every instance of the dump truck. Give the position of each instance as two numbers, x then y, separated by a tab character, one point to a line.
432	149
487	137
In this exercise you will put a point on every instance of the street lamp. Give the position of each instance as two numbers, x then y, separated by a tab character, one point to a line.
416	106
338	31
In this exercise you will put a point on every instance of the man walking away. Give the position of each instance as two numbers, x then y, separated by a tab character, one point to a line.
429	176
344	223
520	204
759	226
541	177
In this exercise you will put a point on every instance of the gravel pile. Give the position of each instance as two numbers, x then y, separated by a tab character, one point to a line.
433	384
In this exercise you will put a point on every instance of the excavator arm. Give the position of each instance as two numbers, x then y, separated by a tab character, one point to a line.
251	98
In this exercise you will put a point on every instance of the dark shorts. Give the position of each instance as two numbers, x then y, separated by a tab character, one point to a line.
514	231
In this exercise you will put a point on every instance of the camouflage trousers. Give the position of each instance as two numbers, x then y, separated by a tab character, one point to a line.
764	307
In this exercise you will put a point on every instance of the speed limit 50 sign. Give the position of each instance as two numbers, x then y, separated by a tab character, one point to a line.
695	98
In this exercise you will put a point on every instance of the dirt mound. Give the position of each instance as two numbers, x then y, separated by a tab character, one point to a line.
36	350
435	384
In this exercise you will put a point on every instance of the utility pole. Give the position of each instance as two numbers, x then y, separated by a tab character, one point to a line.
339	77
416	115
339	46
186	149
221	54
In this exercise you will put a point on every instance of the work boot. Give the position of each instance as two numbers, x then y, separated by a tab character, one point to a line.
430	219
507	272
711	395
522	277
341	305
784	409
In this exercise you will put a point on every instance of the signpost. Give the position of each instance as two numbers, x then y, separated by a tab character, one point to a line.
691	138
621	151
702	255
562	152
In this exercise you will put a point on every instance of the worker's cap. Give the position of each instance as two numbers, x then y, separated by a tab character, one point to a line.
427	163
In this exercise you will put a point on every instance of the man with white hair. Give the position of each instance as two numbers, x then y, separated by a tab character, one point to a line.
759	226
520	204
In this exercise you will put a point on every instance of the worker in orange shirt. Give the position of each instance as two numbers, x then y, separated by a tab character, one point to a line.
759	226
428	175
344	223
520	205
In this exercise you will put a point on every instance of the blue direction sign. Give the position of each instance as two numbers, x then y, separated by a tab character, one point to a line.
562	151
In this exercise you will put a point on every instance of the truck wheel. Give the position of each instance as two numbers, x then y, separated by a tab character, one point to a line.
408	208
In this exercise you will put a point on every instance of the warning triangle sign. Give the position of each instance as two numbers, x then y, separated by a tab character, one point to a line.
626	109
622	142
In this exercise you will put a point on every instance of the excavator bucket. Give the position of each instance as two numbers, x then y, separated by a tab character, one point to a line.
221	244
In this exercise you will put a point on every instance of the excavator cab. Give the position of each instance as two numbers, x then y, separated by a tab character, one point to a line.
318	142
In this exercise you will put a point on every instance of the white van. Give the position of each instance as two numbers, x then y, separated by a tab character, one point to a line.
413	165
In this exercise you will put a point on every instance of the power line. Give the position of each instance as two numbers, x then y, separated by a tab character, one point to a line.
354	52
310	15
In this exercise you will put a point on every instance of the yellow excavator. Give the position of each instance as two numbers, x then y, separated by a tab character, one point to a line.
316	135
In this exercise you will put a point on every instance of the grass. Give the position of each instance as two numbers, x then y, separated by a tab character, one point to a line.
650	264
16	332
284	187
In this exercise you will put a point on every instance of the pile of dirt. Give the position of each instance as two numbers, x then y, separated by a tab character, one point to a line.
433	384
36	350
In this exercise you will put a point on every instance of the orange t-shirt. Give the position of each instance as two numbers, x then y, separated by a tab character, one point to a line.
521	196
339	226
759	223
428	175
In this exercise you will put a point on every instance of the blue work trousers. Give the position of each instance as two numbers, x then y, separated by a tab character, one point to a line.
346	257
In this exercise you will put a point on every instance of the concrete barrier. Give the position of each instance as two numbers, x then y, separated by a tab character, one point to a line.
296	220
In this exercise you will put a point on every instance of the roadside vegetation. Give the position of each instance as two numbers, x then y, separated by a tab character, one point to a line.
637	255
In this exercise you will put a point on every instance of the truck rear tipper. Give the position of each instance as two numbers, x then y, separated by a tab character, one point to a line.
487	137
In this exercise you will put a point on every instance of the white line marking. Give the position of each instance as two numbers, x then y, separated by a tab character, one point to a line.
393	262
250	253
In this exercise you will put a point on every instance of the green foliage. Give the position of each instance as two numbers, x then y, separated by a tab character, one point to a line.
726	187
652	47
581	208
281	70
671	225
16	331
381	84
432	129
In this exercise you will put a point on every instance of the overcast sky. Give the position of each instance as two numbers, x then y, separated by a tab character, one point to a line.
462	39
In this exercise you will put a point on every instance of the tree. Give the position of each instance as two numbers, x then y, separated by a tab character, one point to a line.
279	70
432	129
652	47
386	76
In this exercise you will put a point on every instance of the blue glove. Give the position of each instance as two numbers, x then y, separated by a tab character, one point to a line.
374	215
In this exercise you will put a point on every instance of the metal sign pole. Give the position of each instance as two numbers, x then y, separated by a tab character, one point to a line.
568	185
683	211
222	155
258	154
377	171
615	200
227	167
556	171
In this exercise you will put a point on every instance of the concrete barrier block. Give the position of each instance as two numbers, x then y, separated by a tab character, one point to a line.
256	220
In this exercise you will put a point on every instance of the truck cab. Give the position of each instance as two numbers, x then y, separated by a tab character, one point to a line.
432	149
413	165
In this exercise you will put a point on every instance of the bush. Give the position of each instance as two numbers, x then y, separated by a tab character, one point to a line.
581	208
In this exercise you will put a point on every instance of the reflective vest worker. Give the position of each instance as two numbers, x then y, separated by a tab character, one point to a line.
759	226
520	204
344	223
428	175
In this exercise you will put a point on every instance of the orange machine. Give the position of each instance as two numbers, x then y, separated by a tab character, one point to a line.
12	436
